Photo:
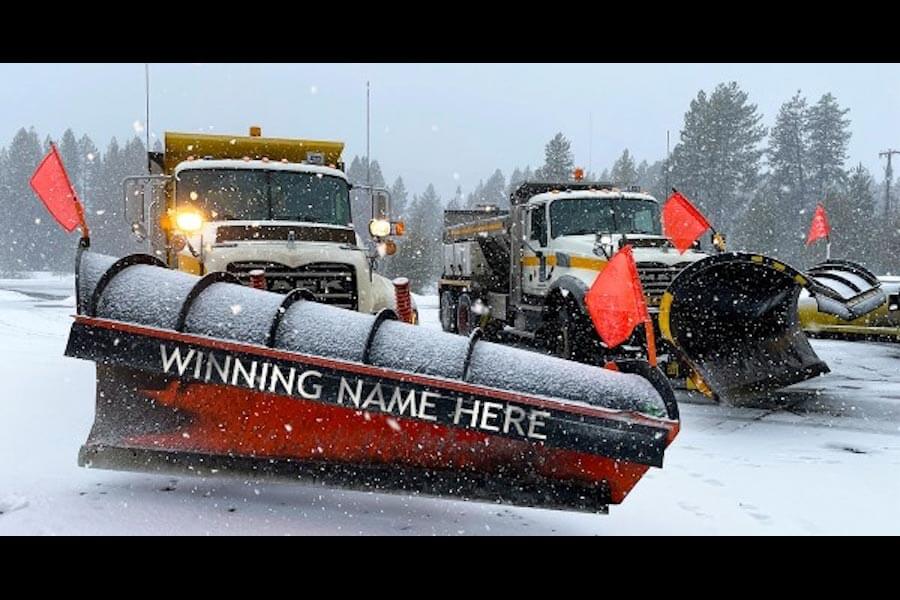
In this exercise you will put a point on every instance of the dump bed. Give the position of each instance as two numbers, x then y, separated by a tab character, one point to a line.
488	232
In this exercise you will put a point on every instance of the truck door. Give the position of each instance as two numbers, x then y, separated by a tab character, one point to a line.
535	270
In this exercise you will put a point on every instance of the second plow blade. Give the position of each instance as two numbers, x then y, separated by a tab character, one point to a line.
734	318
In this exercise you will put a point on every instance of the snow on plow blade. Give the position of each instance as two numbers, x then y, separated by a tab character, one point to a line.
203	374
734	318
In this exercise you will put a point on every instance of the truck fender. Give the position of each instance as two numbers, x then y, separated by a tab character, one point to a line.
568	287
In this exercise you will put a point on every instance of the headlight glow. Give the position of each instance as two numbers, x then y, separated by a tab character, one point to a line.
188	221
379	228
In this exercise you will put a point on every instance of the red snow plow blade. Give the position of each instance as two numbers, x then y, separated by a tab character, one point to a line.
201	375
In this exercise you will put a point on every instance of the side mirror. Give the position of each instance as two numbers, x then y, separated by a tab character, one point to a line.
381	205
140	194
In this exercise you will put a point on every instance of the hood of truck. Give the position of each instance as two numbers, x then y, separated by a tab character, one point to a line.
647	248
281	247
291	243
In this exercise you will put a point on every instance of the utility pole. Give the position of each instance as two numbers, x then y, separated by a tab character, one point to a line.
888	175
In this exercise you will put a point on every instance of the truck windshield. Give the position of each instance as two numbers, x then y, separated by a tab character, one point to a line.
578	216
259	195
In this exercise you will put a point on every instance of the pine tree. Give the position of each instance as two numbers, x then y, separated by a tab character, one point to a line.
399	198
787	198
515	180
623	171
851	213
109	226
518	177
641	173
760	227
494	190
558	160
456	201
716	162
71	157
7	228
424	242
829	135
30	225
398	264
476	196
652	179
88	183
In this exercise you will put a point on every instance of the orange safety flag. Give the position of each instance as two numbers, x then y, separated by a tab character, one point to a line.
819	228
616	302
51	183
682	222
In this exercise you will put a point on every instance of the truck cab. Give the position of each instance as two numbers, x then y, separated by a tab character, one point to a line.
525	272
272	212
573	233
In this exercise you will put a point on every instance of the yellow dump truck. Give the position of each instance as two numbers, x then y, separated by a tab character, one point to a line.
273	212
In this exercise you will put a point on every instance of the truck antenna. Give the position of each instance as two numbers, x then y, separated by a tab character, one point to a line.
147	113
368	156
590	142
668	158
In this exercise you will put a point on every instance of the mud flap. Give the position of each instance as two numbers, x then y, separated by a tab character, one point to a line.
733	317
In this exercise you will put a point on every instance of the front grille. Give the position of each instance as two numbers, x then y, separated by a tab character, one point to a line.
330	283
656	278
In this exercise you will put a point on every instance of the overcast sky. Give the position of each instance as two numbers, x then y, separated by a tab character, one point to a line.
447	124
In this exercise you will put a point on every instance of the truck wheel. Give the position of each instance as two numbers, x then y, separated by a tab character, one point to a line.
562	334
464	325
448	311
568	334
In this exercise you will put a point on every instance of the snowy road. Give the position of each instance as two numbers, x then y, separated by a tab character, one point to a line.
826	461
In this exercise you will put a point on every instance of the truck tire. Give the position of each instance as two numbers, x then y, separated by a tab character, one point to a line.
563	334
448	311
568	334
464	324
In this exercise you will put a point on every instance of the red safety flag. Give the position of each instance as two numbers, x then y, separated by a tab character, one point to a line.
51	183
819	228
616	302
682	222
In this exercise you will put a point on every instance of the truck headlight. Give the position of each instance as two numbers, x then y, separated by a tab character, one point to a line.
188	221
379	228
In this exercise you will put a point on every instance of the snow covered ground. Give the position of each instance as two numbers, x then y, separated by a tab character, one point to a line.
826	461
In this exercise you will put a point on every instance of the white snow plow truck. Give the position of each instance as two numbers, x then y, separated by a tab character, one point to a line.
273	213
728	322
